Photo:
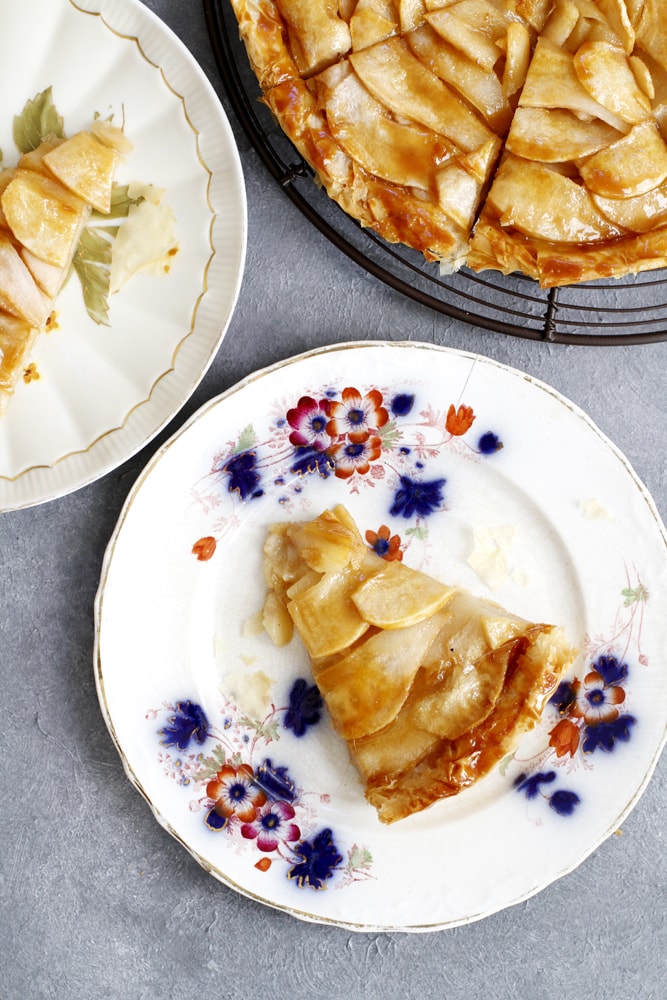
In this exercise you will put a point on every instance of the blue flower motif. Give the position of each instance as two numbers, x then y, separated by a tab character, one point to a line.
531	785
243	475
319	858
564	802
308	461
214	821
611	670
604	735
188	722
489	443
275	781
305	706
413	497
563	697
402	404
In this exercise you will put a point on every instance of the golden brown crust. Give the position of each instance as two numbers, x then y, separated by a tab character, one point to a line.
264	34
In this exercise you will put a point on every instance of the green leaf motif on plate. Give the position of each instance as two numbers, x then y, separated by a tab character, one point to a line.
634	595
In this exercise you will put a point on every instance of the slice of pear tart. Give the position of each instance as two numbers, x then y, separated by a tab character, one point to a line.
429	686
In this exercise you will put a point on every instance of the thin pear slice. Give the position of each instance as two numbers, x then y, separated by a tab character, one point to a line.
518	48
19	294
276	620
377	755
640	214
604	71
401	153
467	696
651	29
399	596
411	14
553	83
43	216
475	44
619	21
632	166
86	167
367	688
49	277
559	209
561	22
554	135
34	158
372	21
398	80
326	617
642	75
481	89
535	12
461	181
326	545
322	36
499	629
6	176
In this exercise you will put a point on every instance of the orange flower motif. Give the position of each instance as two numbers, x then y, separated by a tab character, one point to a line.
355	456
564	738
355	415
204	548
384	544
459	421
595	701
234	793
263	864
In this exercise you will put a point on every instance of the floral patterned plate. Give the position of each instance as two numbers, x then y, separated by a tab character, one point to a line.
95	393
470	470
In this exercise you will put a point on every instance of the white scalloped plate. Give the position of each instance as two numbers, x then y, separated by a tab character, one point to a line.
189	691
104	392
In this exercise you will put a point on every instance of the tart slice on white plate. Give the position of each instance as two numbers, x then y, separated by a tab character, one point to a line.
429	686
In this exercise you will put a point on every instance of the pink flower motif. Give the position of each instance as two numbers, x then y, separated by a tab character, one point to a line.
309	418
356	416
594	702
352	456
271	826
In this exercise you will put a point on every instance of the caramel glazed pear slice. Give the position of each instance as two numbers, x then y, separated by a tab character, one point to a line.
429	686
515	135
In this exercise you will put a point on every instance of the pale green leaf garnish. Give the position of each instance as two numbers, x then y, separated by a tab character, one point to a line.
92	261
121	204
38	121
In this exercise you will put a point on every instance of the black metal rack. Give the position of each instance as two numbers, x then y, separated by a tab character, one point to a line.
616	312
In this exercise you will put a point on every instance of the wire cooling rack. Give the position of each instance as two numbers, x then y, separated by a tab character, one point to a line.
630	311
